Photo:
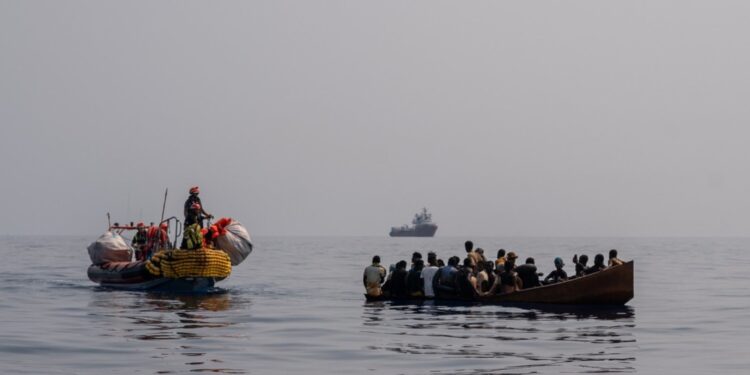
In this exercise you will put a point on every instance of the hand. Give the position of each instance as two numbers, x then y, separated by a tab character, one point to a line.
210	216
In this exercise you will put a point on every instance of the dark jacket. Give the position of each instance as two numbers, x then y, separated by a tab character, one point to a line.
398	283
528	275
414	282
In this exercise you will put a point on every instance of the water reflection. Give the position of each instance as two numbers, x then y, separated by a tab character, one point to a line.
521	339
175	327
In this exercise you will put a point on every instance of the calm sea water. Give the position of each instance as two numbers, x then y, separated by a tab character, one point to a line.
296	306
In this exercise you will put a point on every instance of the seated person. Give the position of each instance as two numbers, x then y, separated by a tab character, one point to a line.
373	277
445	279
414	279
485	277
580	263
507	282
528	274
558	274
613	259
466	283
428	274
598	264
500	261
398	281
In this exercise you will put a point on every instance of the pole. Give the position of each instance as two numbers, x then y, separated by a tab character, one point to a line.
109	222
164	205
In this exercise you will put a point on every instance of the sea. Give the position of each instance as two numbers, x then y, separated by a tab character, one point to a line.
296	306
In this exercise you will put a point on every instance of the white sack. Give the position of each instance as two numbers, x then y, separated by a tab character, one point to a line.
110	247
236	242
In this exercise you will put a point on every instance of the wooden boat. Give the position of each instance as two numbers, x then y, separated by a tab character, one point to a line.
611	286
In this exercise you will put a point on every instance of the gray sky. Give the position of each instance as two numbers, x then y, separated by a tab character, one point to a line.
547	118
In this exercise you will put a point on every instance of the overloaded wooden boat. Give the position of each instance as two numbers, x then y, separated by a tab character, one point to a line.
611	286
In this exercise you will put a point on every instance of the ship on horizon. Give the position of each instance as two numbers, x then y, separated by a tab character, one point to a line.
423	226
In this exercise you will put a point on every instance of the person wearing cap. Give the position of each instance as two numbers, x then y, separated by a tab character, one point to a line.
373	277
139	241
511	258
558	274
194	203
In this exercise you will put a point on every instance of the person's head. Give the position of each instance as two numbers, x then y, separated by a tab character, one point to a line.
194	190
508	266
480	251
431	258
511	257
376	259
416	256
599	259
529	260
583	259
468	264
453	261
165	226
559	263
440	263
419	265
612	254
489	266
500	253
468	245
401	265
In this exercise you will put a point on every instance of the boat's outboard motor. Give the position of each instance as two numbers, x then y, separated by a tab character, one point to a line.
110	247
235	241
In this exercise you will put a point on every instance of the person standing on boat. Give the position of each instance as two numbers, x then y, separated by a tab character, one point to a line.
374	277
192	204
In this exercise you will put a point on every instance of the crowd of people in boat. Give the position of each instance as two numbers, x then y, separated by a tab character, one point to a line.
475	276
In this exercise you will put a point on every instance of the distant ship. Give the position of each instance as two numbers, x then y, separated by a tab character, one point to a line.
423	226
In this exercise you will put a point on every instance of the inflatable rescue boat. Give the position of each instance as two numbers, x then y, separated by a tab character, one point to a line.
169	270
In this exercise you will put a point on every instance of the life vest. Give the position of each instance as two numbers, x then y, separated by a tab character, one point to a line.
193	237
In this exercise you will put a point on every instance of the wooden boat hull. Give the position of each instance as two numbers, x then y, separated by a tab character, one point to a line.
611	286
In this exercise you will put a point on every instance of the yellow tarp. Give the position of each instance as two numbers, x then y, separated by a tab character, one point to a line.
179	263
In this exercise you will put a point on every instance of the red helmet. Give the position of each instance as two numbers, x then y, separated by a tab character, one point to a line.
140	224
164	226
194	190
195	206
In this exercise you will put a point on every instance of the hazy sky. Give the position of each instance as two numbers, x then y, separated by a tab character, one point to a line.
592	118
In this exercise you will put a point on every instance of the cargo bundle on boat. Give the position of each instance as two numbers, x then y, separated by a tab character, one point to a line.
611	286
